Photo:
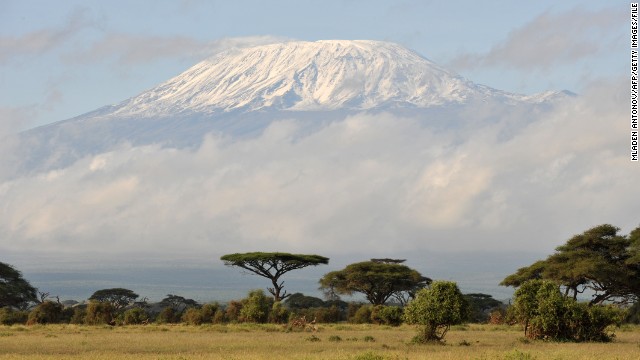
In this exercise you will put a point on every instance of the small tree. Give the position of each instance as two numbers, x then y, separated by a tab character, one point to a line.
272	266
435	310
15	291
119	298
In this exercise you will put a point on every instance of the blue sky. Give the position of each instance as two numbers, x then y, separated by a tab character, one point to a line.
61	59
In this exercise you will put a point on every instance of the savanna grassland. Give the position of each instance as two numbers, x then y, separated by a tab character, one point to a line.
334	341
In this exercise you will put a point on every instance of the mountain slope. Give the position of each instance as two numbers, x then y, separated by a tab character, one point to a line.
240	92
307	76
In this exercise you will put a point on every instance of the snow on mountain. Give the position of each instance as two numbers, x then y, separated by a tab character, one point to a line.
307	76
241	91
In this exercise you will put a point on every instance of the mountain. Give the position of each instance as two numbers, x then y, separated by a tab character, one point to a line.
241	91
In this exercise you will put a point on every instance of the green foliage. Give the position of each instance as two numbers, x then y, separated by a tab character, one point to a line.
15	291
135	316
435	310
599	260
633	314
9	316
99	313
256	307
272	266
117	297
78	316
301	301
547	314
362	315
481	306
193	316
209	312
178	303
168	315
278	314
47	312
378	281
387	315
232	312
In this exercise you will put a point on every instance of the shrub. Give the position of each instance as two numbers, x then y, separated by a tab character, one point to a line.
9	316
135	316
219	317
256	307
232	312
208	312
362	315
47	312
79	314
435	309
547	314
193	316
99	313
168	315
278	314
386	315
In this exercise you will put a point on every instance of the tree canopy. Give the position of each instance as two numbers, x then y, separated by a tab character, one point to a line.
377	280
178	303
599	260
117	297
15	291
272	265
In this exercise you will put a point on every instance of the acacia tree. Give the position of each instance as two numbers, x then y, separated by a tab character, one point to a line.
272	266
15	291
599	260
117	297
377	279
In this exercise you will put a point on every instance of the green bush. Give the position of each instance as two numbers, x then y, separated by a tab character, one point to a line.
193	316
435	309
208	312
386	315
9	316
232	312
278	314
362	315
79	314
47	312
168	315
135	316
219	317
99	313
256	307
546	314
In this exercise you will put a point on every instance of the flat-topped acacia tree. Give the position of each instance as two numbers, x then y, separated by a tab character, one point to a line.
272	266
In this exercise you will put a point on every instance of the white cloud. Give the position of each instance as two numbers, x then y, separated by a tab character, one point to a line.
551	39
367	184
39	42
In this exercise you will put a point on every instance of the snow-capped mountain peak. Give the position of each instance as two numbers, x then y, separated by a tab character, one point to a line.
300	75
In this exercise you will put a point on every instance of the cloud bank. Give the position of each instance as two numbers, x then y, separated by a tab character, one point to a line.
366	185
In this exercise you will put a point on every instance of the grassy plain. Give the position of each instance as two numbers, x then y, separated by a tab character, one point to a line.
246	341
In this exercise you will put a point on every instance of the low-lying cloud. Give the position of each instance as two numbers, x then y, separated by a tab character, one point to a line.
369	184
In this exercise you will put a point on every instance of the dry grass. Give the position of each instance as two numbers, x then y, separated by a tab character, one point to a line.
357	342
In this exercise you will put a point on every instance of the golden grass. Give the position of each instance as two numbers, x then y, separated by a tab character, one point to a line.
357	342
